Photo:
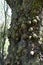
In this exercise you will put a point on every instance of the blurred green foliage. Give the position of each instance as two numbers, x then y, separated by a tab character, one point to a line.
25	42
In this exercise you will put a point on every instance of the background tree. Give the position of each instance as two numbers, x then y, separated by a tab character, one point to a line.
25	47
3	30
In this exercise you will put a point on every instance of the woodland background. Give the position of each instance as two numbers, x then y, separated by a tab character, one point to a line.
21	32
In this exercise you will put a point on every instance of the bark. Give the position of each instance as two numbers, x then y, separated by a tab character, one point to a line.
24	31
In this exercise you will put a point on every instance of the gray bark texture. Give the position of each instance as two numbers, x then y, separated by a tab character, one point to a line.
23	34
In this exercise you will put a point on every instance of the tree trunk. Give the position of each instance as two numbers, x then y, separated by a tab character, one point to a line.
24	32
